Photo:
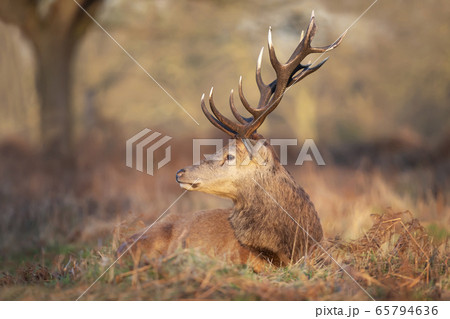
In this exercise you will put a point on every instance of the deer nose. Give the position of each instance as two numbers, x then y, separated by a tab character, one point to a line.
179	174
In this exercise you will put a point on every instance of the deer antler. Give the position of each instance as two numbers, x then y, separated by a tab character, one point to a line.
270	94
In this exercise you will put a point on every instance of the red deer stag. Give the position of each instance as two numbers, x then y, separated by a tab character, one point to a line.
273	219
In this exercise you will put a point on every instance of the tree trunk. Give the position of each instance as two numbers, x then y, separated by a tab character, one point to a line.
54	29
54	82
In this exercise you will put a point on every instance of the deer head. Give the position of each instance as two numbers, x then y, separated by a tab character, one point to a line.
225	172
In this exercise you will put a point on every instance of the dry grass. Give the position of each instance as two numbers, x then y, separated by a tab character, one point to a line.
57	235
395	260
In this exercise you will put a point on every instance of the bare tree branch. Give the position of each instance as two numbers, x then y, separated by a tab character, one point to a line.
80	22
23	14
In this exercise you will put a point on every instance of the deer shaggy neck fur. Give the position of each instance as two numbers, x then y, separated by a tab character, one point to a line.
274	216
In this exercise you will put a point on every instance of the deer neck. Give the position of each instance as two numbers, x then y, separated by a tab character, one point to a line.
264	213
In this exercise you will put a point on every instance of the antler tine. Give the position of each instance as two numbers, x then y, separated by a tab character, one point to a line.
304	48
215	121
306	71
331	46
264	90
222	119
244	101
259	80
239	117
273	56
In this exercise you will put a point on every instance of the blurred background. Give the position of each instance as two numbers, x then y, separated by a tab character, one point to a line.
378	110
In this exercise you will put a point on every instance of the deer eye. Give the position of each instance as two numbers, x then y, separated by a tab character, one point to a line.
229	157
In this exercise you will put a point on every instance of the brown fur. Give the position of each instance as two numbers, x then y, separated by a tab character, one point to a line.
207	231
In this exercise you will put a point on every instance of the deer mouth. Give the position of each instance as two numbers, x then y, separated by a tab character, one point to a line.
186	185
